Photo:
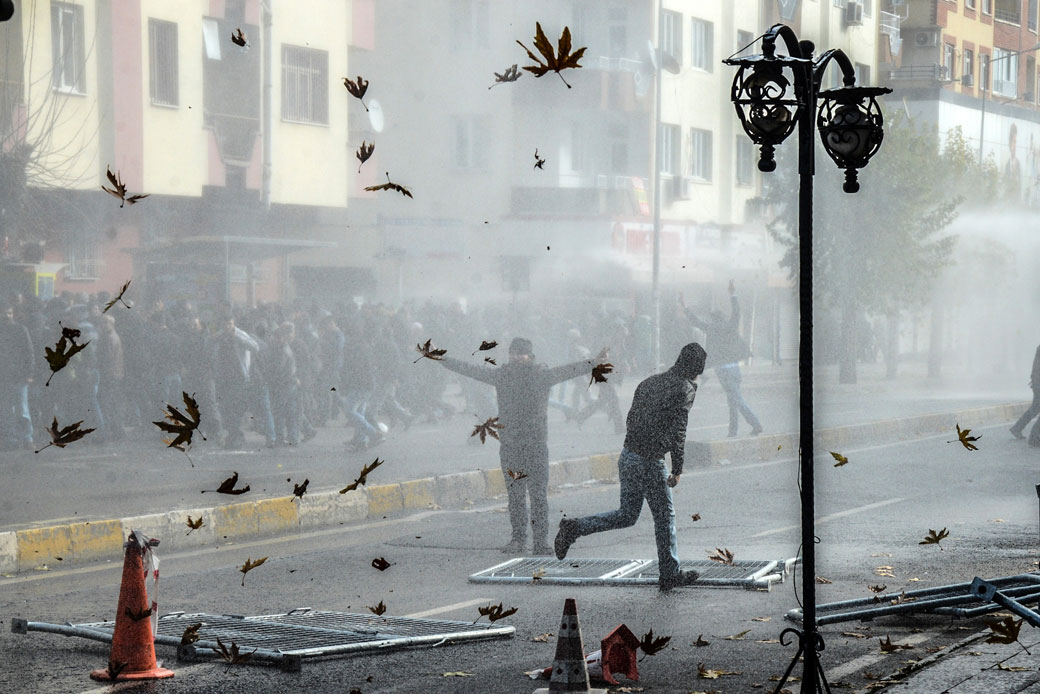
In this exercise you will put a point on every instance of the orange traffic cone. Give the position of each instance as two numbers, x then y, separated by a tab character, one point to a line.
133	644
569	671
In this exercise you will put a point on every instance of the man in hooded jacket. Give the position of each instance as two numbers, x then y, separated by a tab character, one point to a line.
656	425
522	389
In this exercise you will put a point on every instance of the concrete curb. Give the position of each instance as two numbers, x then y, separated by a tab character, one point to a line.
91	541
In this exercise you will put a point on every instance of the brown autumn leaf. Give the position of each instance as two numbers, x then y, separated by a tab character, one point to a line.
194	524
485	345
884	571
228	486
184	425
486	429
63	437
232	656
562	59
964	439
854	634
842	460
494	612
378	610
390	185
119	298
425	350
491	361
357	89
249	566
878	588
191	634
934	538
538	574
381	564
701	642
1004	630
823	581
761	619
599	373
888	647
737	637
543	638
118	189
239	39
114	668
514	475
723	556
66	348
539	162
363	477
364	153
705	673
901	598
511	74
695	517
652	645
299	490
137	615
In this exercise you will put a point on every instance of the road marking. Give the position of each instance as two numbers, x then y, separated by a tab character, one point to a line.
846	669
448	608
833	516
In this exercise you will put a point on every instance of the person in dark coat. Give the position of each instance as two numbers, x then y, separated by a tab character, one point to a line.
1034	408
726	350
16	372
656	425
522	390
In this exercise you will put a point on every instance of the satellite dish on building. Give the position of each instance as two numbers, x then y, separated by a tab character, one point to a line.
375	116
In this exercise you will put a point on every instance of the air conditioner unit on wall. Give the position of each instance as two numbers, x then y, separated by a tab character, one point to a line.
853	13
968	80
925	39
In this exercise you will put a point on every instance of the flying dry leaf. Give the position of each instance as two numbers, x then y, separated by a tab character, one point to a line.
191	634
118	189
299	490
491	361
760	619
561	60
65	349
705	673
823	581
511	74
232	656
137	615
723	556
1004	630
194	524
357	89
901	598
1012	668
119	298
486	429
249	566
390	185
381	564
485	346
934	538
363	477
543	638
458	674
842	460
888	647
181	424
494	612
363	153
738	637
114	668
599	373
63	437
964	439
538	575
429	352
652	645
695	517
228	486
877	588
539	162
378	609
701	642
239	39
515	475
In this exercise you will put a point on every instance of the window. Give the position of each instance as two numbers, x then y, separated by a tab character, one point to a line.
702	45
618	136
948	61
862	74
162	62
745	161
743	39
83	255
987	6
472	139
984	72
670	153
839	3
968	67
969	4
305	79
470	23
671	34
1031	15
67	47
700	154
618	33
868	7
1005	72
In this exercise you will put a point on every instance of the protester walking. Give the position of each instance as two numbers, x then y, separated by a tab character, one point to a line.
656	425
1034	407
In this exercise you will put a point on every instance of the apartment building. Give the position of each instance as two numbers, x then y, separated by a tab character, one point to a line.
242	149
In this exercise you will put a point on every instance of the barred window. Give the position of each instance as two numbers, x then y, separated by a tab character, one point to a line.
162	62
67	47
83	255
305	79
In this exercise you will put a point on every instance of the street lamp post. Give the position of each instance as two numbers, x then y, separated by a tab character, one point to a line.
984	88
773	94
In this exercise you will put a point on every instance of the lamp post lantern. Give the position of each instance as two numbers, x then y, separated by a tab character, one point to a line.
775	94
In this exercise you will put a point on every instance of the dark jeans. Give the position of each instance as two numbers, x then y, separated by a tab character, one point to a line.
729	379
1027	416
533	461
641	479
15	420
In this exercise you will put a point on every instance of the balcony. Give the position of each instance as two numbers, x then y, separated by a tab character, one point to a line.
1008	88
919	73
1008	16
888	24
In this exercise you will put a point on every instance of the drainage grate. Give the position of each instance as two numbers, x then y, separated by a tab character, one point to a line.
956	600
749	574
287	638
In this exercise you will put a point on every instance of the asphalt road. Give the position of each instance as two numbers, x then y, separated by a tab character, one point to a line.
871	512
91	482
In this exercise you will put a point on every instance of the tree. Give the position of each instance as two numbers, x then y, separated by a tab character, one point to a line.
880	251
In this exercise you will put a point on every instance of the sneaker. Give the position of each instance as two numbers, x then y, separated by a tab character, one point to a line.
565	537
514	547
1017	433
683	578
755	431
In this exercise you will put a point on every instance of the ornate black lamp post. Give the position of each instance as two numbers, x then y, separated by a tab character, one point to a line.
773	95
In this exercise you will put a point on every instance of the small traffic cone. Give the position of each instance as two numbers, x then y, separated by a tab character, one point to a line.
569	672
133	644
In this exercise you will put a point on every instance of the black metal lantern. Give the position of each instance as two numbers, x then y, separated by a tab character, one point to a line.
851	127
765	101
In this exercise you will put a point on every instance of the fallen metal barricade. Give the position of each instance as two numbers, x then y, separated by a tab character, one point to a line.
286	639
957	600
630	572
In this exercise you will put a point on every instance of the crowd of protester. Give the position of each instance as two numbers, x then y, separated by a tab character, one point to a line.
287	370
